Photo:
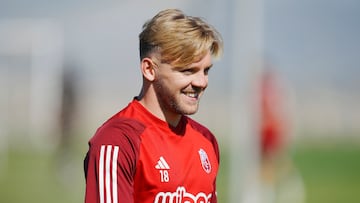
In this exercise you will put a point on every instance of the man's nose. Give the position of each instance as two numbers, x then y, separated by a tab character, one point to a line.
200	80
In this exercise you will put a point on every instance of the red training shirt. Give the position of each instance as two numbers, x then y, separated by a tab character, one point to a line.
135	157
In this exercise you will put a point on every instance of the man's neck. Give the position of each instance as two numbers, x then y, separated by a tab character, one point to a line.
153	106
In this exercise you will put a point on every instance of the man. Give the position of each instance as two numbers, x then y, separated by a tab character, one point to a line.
151	151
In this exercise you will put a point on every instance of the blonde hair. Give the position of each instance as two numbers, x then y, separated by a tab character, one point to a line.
178	38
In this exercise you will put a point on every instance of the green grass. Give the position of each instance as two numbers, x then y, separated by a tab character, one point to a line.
331	174
34	176
331	171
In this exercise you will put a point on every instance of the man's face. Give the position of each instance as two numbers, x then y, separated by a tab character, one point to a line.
179	89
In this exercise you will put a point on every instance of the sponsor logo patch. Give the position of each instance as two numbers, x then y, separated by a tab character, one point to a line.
182	196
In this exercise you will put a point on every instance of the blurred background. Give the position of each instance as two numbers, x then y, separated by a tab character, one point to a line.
284	100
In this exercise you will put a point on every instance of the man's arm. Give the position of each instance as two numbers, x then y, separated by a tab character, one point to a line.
111	162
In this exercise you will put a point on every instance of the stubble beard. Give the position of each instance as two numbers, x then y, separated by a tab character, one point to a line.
174	103
182	108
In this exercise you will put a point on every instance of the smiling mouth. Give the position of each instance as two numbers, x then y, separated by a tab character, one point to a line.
194	95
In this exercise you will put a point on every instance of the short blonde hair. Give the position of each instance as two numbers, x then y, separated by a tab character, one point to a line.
178	38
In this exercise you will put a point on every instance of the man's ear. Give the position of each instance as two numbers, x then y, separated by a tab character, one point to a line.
147	69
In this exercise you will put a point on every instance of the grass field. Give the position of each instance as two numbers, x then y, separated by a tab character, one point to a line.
331	174
331	171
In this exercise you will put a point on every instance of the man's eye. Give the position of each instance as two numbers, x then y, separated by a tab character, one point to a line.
187	71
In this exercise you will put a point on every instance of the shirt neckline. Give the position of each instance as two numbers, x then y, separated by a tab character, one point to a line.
178	130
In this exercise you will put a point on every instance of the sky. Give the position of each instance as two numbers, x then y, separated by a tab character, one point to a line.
315	40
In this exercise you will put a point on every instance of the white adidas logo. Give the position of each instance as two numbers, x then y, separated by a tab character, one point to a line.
161	164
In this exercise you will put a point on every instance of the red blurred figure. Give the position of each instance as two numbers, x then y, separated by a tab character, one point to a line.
272	119
280	181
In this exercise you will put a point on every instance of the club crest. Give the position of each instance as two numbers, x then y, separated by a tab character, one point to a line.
205	162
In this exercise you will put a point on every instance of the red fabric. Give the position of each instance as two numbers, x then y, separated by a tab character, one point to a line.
136	157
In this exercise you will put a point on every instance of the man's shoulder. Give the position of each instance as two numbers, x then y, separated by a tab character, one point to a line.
126	124
200	128
196	125
119	129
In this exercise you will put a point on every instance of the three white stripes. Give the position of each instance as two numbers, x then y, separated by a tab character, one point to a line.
162	164
107	156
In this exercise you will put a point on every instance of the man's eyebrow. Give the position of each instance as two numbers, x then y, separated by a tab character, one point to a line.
191	67
206	67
